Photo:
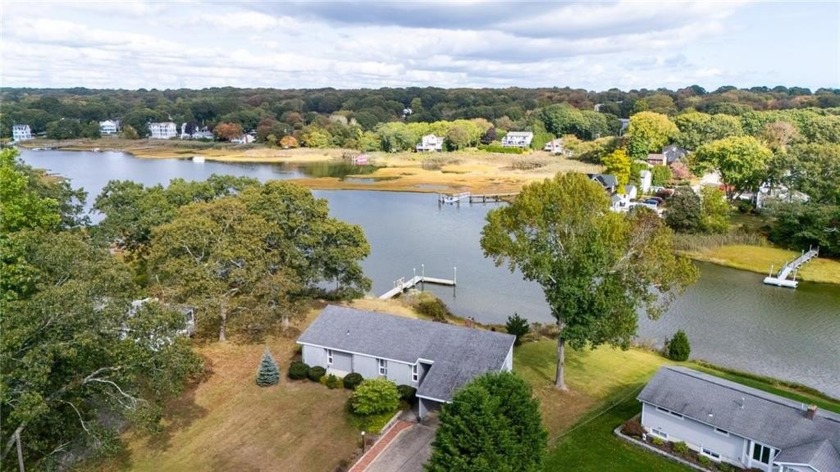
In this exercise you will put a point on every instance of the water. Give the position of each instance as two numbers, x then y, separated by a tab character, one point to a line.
731	318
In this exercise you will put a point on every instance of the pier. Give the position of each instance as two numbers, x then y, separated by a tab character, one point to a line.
402	285
781	279
454	198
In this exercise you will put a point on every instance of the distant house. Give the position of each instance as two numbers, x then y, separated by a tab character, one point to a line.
608	181
520	139
555	146
729	422
108	127
163	130
646	180
656	159
244	139
21	133
430	143
435	358
673	153
631	191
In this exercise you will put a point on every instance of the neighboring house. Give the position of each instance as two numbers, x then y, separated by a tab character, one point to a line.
625	123
435	358
608	181
108	127
21	133
520	139
729	422
646	180
620	203
163	130
244	139
656	159
555	146
430	143
777	193
673	153
631	192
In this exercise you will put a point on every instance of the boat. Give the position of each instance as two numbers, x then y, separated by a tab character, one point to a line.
198	158
453	198
96	150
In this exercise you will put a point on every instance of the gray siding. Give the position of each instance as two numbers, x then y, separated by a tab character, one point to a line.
508	366
695	434
400	373
366	366
342	361
314	356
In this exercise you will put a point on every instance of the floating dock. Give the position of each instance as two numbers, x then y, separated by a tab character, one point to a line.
789	270
453	198
402	285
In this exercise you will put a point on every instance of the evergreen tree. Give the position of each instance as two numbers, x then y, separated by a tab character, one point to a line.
268	373
517	326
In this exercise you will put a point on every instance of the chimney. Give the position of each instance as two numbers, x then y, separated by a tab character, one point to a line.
811	412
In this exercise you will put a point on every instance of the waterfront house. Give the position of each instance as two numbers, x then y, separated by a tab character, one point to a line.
673	153
608	181
108	127
430	143
244	139
729	422
520	139
434	358
163	130
21	133
555	146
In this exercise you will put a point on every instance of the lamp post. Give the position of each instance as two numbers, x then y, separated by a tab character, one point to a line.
363	442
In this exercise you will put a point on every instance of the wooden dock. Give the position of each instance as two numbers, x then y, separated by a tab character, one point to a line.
454	198
781	279
402	285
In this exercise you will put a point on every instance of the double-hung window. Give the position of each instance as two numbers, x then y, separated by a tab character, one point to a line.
383	367
414	374
329	357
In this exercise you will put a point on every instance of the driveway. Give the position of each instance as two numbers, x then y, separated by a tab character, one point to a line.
407	452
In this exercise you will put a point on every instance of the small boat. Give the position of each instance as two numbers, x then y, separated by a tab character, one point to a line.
453	198
96	150
198	158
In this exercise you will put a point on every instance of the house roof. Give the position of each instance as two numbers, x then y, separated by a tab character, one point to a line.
458	354
673	153
819	454
657	157
523	134
606	180
769	419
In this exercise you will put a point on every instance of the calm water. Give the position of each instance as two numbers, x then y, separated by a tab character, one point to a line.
731	318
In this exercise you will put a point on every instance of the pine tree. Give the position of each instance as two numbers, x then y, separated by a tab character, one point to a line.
268	373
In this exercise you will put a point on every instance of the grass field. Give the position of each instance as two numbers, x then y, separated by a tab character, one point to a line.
759	259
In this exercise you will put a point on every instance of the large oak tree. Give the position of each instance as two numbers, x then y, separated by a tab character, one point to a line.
596	267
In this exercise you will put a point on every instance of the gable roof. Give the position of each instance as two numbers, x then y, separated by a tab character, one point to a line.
606	180
819	454
673	153
520	134
769	419
458	354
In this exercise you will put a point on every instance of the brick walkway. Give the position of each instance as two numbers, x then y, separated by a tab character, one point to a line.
380	446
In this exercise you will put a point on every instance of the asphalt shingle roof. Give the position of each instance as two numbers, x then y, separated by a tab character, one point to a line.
748	412
458	353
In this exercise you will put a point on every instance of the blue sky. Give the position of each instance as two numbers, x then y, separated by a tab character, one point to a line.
475	43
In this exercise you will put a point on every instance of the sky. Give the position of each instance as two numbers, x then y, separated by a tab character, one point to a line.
470	43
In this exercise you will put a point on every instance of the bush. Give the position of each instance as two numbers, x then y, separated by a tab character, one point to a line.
517	326
298	370
268	374
704	460
680	448
331	381
501	149
657	441
407	393
352	380
434	308
375	396
724	467
678	348
315	373
633	428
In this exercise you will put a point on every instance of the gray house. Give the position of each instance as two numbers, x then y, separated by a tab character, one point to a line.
729	422
608	181
435	358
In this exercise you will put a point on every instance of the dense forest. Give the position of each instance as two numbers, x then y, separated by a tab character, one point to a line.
68	113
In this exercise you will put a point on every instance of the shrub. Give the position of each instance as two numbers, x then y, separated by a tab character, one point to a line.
501	149
704	460
298	370
407	393
435	308
268	374
633	428
331	381
678	348
315	373
681	448
724	467
374	396
657	441
352	380
517	326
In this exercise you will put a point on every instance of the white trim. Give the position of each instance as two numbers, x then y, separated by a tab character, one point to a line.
329	357
434	399
415	373
382	366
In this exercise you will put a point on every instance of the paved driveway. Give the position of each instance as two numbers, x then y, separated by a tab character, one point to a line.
407	452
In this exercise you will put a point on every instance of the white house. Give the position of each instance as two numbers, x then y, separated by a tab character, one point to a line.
244	139
520	139
108	127
434	358
729	422
555	146
21	132
430	143
646	180
163	130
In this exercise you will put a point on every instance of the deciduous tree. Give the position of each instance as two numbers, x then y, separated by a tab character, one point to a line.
649	132
618	164
741	160
596	267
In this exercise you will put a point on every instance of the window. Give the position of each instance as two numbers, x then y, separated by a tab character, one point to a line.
383	367
722	431
662	409
414	374
761	453
660	433
710	453
677	414
329	357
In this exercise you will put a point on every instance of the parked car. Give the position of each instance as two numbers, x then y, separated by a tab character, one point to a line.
652	201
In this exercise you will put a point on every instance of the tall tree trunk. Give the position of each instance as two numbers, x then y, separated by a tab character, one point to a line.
559	383
223	315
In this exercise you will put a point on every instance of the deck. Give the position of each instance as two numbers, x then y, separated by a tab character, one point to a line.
402	285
